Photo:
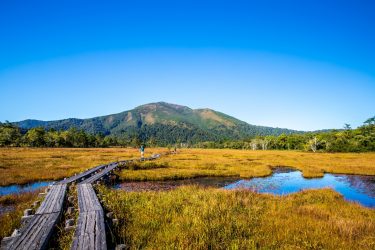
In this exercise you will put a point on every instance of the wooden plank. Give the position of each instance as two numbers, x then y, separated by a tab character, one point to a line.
87	199
90	233
53	201
36	233
82	175
100	174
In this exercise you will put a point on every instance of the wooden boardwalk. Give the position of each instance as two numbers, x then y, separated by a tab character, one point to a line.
104	172
82	175
90	232
109	168
36	233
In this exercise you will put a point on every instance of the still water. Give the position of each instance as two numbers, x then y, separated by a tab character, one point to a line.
283	181
353	187
15	189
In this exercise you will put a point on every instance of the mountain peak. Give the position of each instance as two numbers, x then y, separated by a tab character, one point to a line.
164	121
155	105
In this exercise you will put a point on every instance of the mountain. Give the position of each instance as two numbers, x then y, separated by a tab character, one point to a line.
163	122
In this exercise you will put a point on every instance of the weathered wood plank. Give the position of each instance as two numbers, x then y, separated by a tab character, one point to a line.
53	201
90	232
82	175
87	199
100	174
36	233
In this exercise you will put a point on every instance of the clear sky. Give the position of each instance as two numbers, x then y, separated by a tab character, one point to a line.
297	64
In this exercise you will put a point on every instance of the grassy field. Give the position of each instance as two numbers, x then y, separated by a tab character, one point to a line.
189	163
196	218
24	165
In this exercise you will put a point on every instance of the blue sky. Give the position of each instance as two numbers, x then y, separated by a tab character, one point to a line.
298	64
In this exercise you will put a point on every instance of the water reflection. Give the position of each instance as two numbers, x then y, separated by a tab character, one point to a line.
353	187
283	181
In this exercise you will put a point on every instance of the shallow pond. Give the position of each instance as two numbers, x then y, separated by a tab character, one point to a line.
353	187
15	189
283	181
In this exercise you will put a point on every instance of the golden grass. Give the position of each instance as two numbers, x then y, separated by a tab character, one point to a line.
189	163
196	218
12	219
23	165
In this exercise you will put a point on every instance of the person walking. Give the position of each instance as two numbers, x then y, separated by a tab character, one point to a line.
142	149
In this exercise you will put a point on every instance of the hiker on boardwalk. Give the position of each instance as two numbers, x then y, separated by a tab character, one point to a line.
142	149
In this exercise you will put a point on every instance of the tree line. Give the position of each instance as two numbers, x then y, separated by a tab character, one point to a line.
361	139
13	136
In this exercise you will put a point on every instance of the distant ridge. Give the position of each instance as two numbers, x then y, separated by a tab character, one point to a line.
164	122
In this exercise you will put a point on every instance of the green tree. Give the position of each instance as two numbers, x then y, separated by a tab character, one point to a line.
347	126
35	137
10	135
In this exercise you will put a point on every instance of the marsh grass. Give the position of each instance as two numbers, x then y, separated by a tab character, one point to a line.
145	165
196	218
190	163
25	165
11	219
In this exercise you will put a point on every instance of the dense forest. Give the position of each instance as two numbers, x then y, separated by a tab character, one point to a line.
361	139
